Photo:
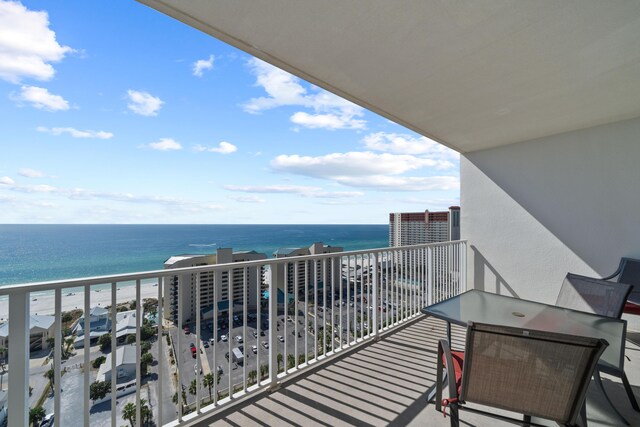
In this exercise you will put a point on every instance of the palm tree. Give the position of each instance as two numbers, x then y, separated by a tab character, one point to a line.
129	413
193	387
208	381
280	360
264	371
252	376
291	361
50	375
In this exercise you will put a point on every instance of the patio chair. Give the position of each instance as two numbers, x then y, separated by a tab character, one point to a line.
601	297
593	295
534	373
629	272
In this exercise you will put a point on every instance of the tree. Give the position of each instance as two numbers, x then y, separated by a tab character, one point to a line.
264	371
208	381
146	360
129	413
291	361
99	389
99	361
280	360
50	375
131	339
105	342
51	341
36	415
252	376
193	387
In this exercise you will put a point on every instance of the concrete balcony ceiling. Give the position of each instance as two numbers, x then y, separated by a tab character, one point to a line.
471	75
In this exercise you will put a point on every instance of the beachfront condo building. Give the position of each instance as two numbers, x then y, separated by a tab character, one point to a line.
310	273
417	228
216	289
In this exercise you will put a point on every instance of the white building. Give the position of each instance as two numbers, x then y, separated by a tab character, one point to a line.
309	271
416	228
40	329
225	289
125	365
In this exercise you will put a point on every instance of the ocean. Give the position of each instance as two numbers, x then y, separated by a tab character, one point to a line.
34	253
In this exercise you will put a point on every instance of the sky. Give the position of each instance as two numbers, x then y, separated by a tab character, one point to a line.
111	112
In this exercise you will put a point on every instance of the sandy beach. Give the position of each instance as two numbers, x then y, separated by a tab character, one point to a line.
45	303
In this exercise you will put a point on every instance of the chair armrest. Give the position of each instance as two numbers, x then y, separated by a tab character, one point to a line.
617	272
445	350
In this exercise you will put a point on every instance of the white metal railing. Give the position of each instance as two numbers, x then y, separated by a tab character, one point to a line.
290	313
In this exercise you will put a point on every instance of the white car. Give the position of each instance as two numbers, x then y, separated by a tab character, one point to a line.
195	369
280	338
265	344
238	339
254	348
212	340
223	337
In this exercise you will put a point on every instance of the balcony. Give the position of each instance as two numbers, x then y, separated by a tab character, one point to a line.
357	351
315	309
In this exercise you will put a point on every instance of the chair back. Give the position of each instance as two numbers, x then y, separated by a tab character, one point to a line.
537	373
630	274
593	295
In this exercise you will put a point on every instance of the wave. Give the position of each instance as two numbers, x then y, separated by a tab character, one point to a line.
202	245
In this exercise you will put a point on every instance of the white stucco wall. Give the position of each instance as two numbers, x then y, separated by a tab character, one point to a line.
535	210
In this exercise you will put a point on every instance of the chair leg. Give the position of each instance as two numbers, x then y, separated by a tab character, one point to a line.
526	420
596	376
583	413
454	419
629	390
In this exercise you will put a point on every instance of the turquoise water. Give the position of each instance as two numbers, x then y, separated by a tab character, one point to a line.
33	253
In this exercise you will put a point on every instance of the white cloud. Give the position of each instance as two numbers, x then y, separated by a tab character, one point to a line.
165	144
369	170
248	199
352	164
27	45
306	191
406	144
223	148
329	111
201	65
100	134
400	183
31	173
143	103
41	98
82	194
327	121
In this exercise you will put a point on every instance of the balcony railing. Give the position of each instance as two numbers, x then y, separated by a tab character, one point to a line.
286	315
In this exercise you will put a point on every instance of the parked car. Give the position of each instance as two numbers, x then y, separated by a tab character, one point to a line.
212	340
206	344
194	352
223	337
219	369
265	344
255	334
187	330
254	348
238	338
195	369
280	338
226	355
47	421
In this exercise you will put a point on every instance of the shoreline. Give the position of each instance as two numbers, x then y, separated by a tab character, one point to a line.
73	298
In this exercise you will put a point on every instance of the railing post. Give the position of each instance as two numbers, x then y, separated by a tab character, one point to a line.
273	319
463	266
18	401
375	302
429	276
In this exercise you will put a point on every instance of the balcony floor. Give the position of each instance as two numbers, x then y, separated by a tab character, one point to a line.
384	383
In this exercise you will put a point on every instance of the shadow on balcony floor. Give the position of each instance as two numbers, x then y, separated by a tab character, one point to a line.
384	383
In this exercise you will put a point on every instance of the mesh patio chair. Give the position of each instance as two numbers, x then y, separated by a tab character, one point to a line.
629	272
593	295
534	373
601	297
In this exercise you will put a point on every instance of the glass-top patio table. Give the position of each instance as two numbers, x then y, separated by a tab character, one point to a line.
484	307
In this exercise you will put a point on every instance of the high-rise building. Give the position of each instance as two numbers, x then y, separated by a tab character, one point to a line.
210	281
416	228
307	269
